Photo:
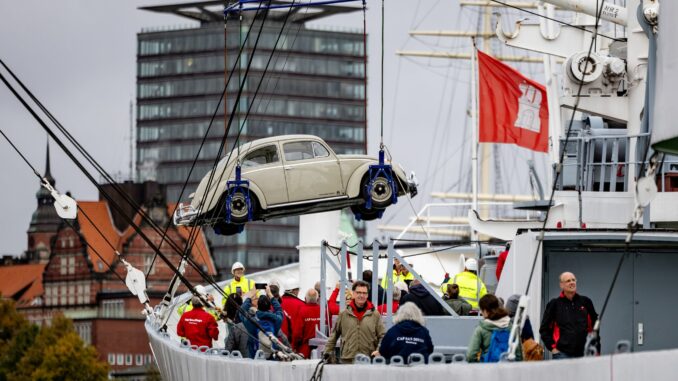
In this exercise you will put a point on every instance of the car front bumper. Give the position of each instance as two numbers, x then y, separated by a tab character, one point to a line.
184	215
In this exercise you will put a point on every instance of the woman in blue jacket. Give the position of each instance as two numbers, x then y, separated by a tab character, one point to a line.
408	335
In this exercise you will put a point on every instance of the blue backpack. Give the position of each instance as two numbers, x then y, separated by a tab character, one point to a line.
499	344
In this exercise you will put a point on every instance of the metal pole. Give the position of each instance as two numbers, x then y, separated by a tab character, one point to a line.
375	268
342	276
474	141
389	282
323	287
393	253
359	266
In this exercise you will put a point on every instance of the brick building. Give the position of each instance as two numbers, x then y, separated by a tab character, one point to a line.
73	268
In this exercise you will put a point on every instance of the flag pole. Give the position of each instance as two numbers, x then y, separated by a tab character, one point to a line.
474	122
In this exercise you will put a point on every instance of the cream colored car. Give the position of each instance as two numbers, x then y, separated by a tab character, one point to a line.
290	175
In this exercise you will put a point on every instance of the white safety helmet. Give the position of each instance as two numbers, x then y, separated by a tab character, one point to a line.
471	264
236	266
291	284
200	289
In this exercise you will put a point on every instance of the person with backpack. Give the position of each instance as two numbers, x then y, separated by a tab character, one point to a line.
490	339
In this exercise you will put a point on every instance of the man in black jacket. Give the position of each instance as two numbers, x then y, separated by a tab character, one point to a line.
423	299
567	320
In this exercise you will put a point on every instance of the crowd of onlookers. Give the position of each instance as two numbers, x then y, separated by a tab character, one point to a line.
269	317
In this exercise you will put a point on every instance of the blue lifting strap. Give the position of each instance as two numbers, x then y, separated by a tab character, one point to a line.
383	170
234	186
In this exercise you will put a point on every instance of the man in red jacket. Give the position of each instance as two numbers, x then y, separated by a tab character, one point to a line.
291	305
198	326
307	320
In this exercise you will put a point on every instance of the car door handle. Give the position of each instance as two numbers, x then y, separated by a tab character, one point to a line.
289	168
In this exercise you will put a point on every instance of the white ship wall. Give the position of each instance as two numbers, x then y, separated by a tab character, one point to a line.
178	363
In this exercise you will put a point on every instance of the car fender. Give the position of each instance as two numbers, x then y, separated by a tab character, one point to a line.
353	187
261	200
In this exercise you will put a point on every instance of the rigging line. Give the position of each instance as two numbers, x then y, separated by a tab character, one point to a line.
381	105
22	156
562	153
194	231
67	221
92	180
84	152
561	22
284	65
88	175
202	143
256	92
110	266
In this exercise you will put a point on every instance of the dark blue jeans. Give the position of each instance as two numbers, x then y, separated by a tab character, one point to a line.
559	356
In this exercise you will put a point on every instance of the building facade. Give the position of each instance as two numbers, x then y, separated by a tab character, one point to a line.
78	272
315	84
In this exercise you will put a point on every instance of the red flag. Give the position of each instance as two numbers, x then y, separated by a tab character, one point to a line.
513	108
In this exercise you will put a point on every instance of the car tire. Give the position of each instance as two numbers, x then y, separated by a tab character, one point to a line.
363	214
381	193
222	228
238	207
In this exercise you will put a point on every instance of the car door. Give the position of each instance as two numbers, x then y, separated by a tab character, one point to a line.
311	170
263	167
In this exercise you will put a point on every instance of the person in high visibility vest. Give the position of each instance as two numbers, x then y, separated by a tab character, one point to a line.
471	288
200	289
400	274
239	285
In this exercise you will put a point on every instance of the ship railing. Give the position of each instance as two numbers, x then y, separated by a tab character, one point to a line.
599	161
452	332
425	220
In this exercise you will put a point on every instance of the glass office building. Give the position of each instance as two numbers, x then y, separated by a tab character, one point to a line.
314	84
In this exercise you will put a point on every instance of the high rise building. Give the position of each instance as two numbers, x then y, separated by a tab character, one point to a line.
315	84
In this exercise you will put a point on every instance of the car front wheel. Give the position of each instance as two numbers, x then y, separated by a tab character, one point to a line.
239	213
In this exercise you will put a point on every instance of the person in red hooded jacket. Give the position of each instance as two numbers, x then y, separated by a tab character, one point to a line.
198	326
291	305
308	319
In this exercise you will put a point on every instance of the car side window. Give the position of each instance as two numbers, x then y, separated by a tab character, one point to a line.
319	150
261	156
298	151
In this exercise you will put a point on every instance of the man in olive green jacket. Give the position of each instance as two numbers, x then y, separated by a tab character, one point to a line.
359	326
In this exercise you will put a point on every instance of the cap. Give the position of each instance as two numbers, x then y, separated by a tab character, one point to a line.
471	264
512	304
237	265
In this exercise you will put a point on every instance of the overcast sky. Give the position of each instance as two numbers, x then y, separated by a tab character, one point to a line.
79	58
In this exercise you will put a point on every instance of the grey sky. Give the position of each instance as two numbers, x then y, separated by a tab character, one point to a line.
79	58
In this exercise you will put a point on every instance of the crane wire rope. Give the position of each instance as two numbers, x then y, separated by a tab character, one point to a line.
251	104
82	151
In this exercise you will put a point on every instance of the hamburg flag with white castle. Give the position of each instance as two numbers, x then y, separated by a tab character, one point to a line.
513	108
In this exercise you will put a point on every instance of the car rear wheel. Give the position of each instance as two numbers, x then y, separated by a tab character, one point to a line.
381	193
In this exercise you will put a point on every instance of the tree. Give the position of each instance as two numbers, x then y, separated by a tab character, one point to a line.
53	352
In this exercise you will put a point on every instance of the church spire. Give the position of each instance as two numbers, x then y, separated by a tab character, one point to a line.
48	173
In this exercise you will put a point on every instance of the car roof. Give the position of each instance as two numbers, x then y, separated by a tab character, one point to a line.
283	137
